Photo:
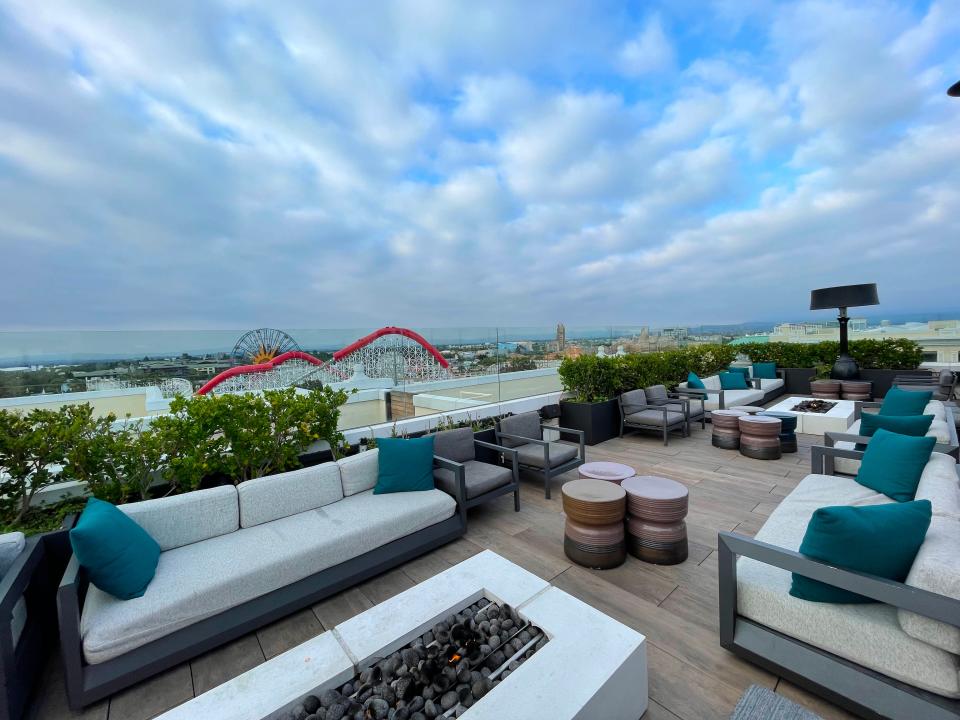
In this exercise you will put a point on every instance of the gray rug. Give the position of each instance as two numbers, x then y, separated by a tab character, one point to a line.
758	703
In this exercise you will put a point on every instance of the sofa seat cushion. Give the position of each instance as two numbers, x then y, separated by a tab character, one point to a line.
937	409
198	581
869	635
770	385
531	454
655	418
936	569
480	478
817	491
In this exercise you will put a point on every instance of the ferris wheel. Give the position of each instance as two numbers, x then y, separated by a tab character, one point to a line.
262	345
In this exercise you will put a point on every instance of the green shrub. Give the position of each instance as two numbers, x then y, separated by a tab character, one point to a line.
888	353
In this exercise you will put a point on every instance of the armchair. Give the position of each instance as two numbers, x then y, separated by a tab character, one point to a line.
523	434
472	482
658	395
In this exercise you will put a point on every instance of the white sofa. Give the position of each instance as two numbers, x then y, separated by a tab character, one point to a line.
719	399
942	428
226	549
907	647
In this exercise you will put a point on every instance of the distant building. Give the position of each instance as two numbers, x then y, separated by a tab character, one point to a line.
561	337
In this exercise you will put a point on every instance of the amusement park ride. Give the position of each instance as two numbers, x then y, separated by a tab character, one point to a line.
274	360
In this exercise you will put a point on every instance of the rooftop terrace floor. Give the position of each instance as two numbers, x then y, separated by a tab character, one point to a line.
675	607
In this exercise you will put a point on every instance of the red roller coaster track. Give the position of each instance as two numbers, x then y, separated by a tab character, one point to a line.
337	356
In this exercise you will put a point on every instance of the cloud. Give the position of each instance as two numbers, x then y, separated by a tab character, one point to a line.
443	164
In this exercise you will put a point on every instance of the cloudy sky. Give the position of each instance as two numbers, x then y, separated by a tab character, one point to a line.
435	163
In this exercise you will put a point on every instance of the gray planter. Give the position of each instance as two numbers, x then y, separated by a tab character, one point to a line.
599	421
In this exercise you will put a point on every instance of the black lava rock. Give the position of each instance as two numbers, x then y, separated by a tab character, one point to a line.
311	703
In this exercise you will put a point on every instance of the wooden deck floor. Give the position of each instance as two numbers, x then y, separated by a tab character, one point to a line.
691	676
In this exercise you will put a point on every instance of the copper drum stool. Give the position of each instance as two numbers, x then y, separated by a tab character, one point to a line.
856	389
726	428
593	534
760	437
788	430
656	531
609	471
825	389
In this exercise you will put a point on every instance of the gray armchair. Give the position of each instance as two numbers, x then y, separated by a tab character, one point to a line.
693	407
524	434
942	384
457	470
638	414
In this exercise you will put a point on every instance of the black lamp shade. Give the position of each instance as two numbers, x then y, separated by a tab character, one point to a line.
954	90
844	296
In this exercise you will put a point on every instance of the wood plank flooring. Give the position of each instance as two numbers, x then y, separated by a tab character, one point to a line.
691	676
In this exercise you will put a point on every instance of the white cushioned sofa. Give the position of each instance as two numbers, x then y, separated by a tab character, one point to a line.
942	428
897	658
761	390
235	558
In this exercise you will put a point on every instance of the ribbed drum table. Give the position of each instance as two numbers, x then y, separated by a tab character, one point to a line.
609	471
656	508
594	533
726	428
760	437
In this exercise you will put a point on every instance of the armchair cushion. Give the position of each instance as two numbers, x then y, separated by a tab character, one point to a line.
531	454
119	555
765	370
405	465
479	477
892	464
654	418
881	540
733	381
456	445
525	425
656	394
633	401
904	402
695	382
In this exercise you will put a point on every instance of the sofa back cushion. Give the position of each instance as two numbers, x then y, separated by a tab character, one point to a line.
694	382
892	464
712	382
656	394
633	401
881	540
456	445
745	371
188	518
358	473
938	484
526	425
915	425
765	370
936	570
904	402
276	496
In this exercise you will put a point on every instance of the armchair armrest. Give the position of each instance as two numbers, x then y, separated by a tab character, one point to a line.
508	452
579	433
18	577
460	482
70	598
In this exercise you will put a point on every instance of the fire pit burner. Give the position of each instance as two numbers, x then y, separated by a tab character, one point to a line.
814	406
440	674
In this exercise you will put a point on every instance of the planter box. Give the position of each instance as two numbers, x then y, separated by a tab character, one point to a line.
599	421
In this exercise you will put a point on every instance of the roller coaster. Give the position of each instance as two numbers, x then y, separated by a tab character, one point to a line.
399	354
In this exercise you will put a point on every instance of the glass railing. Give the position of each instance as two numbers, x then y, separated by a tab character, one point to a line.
393	374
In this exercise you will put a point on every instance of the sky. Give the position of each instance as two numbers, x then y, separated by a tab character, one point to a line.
201	165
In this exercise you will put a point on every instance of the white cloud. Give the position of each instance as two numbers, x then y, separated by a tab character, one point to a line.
649	52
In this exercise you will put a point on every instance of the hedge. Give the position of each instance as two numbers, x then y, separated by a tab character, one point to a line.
593	379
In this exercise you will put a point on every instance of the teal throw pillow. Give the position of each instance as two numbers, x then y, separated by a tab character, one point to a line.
744	370
881	540
119	556
695	382
914	425
733	381
904	402
765	370
892	464
405	464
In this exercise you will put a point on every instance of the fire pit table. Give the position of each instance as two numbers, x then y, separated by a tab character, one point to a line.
837	418
380	646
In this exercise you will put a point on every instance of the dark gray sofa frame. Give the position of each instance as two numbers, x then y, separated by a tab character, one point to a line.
951	448
459	472
88	683
844	683
548	472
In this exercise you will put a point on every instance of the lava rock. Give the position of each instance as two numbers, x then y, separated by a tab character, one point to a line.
377	707
525	636
300	713
336	711
494	641
493	612
430	709
418	716
410	657
329	697
448	700
507	624
481	687
386	692
416	704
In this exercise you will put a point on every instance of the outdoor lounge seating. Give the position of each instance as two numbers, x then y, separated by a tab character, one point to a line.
456	463
236	558
941	383
636	413
942	428
694	408
523	433
759	392
899	657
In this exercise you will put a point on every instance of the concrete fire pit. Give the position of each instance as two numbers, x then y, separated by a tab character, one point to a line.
592	666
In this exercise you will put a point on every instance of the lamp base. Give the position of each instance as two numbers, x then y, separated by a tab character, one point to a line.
845	368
